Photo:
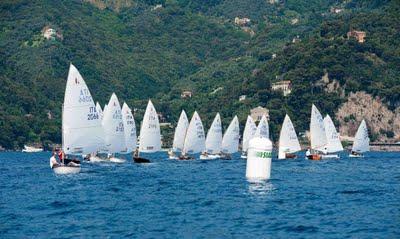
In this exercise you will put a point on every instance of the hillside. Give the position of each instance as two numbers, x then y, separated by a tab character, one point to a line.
139	51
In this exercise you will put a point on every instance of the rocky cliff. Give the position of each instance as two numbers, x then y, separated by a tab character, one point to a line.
383	124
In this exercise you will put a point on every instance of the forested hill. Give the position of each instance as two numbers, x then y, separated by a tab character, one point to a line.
156	49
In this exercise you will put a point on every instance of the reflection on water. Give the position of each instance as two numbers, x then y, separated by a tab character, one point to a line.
260	187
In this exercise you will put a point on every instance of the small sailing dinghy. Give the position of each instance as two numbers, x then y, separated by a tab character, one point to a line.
333	139
114	133
213	140
31	149
262	128
81	124
129	129
230	141
361	141
248	133
288	141
317	135
179	136
194	140
150	136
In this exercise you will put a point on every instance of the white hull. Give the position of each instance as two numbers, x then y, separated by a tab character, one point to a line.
330	156
96	159
28	149
356	156
210	156
117	160
67	169
173	157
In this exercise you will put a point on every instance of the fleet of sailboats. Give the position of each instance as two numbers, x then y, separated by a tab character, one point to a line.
89	130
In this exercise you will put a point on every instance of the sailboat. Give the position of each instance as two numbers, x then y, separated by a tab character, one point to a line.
31	149
129	129
230	141
99	110
179	136
288	141
81	124
213	140
150	136
333	140
114	133
248	133
361	141
262	128
194	140
317	135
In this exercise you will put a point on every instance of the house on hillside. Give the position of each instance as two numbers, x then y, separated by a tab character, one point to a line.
158	6
186	94
242	21
258	112
242	98
358	35
50	33
285	86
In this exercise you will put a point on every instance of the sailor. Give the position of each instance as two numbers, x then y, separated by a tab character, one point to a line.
61	156
308	152
53	161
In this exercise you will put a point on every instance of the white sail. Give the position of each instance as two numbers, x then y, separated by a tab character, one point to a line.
361	140
150	136
230	142
180	132
113	126
317	130
81	124
288	141
99	110
129	129
332	136
262	128
248	133
195	140
104	109
214	136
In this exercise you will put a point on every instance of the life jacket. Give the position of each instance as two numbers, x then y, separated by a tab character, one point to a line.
61	155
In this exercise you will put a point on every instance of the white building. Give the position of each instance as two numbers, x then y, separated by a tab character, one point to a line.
285	86
258	112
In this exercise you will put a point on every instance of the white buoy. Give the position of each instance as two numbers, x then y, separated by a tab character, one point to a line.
259	159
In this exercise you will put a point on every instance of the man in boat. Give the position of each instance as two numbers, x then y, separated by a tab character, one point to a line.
61	155
138	159
65	160
53	160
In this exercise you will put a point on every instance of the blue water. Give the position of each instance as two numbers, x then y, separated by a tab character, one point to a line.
357	198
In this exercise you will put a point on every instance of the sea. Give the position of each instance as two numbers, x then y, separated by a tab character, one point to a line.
345	198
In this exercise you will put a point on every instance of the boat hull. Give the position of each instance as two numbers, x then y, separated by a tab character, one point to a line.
314	157
62	170
356	156
210	156
330	156
140	160
117	160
